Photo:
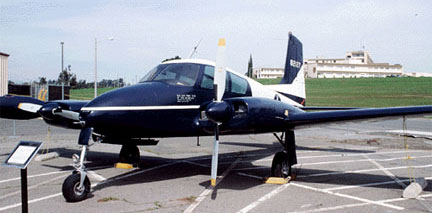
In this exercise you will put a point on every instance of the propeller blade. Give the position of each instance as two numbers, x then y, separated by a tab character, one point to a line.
19	107
67	114
215	156
220	71
29	107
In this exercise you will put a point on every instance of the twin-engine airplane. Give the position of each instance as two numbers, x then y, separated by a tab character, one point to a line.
190	97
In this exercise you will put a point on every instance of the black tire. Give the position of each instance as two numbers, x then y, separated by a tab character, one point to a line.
129	154
70	188
281	166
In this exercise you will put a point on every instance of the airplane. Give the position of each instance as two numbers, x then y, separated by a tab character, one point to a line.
192	97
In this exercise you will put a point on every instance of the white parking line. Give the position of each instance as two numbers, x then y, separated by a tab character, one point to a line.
334	162
50	173
197	164
29	202
32	176
264	198
251	176
387	172
364	170
357	205
348	196
347	155
32	187
369	184
95	176
206	192
93	185
362	160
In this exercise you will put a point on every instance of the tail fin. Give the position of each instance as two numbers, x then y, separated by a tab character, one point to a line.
292	84
294	60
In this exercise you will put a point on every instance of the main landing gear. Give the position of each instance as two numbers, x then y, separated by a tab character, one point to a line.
283	160
129	154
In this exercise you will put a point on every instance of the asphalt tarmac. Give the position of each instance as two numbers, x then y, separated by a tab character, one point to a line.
345	167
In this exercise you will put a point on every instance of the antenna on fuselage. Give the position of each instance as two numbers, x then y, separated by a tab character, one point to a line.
194	50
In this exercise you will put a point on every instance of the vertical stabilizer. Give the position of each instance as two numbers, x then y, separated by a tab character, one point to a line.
292	84
294	60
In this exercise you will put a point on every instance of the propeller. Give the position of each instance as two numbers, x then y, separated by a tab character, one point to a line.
20	107
215	110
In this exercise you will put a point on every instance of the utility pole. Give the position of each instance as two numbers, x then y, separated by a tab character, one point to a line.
61	71
95	70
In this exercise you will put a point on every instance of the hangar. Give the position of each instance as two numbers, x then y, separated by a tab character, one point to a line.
3	73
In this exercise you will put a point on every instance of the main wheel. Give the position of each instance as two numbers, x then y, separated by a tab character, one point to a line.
129	154
71	190
281	166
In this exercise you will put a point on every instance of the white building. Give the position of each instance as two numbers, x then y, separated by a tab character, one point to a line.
3	74
355	65
268	72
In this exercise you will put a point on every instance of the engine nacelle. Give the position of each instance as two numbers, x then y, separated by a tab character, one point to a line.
247	115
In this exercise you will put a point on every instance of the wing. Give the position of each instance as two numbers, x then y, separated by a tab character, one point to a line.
261	115
311	118
319	108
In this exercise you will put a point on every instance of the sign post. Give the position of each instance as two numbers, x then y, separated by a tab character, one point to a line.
20	157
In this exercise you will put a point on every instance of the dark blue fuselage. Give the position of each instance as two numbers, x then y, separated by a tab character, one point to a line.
158	109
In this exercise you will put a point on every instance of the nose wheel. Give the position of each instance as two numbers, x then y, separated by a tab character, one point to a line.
72	191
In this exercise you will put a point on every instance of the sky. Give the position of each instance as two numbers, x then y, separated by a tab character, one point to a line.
147	32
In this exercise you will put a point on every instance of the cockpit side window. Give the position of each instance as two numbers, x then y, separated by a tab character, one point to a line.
207	79
181	74
238	85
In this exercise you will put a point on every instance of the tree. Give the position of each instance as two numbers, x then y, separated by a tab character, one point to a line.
169	59
121	82
250	67
73	81
42	80
67	77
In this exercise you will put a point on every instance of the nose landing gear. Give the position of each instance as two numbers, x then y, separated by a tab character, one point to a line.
77	185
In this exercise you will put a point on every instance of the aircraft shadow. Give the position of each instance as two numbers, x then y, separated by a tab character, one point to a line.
200	165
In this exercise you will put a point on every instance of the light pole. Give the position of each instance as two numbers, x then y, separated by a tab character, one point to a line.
95	68
61	71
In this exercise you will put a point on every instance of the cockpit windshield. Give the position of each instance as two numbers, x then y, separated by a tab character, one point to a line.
183	74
